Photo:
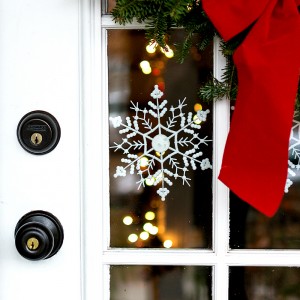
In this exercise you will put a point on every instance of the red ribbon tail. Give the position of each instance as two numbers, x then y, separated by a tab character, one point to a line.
256	154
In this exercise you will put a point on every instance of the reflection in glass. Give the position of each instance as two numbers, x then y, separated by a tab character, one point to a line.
108	5
139	218
160	283
264	283
252	230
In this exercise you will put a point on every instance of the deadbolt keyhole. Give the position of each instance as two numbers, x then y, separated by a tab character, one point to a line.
36	138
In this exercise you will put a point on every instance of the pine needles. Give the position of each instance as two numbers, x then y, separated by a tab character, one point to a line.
162	15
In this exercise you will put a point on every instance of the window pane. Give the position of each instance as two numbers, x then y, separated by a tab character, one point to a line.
251	230
264	283
108	5
185	217
160	283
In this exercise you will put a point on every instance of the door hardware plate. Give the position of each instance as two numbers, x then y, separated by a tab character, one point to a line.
38	132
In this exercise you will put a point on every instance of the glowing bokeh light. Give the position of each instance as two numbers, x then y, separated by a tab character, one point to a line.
153	230
168	52
144	161
127	220
132	238
150	181
149	215
159	153
156	72
168	243
147	226
196	120
151	47
197	107
145	66
144	235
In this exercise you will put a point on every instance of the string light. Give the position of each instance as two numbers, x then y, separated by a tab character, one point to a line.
168	52
151	47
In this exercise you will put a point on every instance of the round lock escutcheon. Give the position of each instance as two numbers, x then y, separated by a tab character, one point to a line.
38	235
38	132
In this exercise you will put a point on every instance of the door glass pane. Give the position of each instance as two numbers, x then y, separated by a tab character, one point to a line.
251	229
160	283
108	5
185	217
264	283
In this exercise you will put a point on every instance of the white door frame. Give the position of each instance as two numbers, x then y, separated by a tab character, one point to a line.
97	256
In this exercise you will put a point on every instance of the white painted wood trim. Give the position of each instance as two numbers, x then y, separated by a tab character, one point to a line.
108	23
220	191
91	145
190	257
98	256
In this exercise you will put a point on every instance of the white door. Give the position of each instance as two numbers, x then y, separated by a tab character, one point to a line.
39	61
68	58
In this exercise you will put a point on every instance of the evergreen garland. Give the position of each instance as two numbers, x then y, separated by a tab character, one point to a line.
161	15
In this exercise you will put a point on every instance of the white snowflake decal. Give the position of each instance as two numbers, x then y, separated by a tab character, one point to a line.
150	147
294	155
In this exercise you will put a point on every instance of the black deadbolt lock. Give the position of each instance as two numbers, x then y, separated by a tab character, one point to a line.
38	235
38	132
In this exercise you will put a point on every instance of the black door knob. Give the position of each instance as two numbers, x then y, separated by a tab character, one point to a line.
38	235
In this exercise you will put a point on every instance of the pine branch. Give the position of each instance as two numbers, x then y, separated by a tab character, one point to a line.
126	11
183	49
160	16
177	9
158	27
213	90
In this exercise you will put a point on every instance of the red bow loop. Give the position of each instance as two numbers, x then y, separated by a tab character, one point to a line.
232	17
256	154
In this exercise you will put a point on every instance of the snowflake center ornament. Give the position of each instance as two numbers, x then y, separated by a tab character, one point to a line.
160	143
151	150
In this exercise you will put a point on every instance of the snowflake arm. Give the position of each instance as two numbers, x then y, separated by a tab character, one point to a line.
294	154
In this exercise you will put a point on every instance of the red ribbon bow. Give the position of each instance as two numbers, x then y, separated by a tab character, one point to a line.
255	160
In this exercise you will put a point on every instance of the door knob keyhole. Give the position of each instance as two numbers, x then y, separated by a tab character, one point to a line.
38	235
33	243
